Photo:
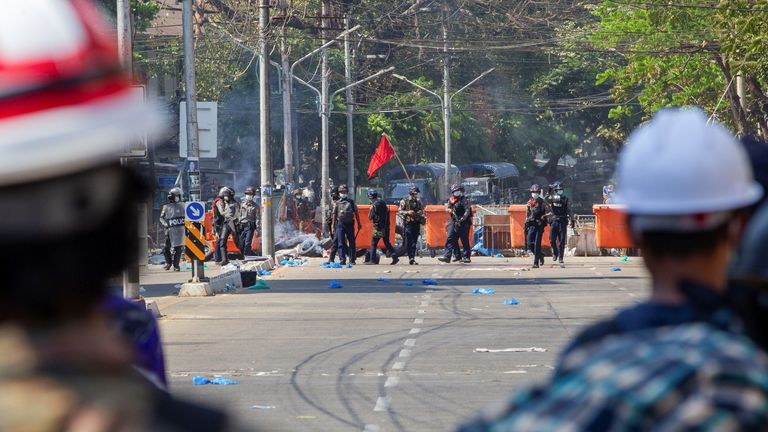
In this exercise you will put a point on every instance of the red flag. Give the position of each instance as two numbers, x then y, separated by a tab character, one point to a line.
382	155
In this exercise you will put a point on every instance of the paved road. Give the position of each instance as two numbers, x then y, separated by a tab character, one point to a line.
382	355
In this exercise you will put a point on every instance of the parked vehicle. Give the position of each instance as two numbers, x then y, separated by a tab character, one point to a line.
491	183
429	177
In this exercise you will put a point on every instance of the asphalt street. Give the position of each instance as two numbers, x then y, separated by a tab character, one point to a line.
384	352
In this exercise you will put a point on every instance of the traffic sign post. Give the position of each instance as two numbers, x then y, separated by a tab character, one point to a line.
194	241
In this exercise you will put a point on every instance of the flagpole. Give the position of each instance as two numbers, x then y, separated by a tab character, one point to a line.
399	161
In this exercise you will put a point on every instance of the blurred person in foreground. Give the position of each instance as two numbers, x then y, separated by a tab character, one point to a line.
66	109
679	360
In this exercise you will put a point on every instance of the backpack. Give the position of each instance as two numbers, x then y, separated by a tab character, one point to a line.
345	211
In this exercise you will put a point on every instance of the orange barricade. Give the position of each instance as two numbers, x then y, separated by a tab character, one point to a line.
438	217
210	237
517	227
611	227
363	240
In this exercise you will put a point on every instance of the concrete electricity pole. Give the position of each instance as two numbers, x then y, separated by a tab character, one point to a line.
290	170
324	169
350	109
131	275
193	137
265	118
446	99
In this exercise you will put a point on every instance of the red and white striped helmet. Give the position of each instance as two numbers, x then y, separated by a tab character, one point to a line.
65	103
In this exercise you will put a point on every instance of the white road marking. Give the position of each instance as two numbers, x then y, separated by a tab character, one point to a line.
418	321
422	311
392	381
516	372
414	331
398	366
382	403
405	352
410	342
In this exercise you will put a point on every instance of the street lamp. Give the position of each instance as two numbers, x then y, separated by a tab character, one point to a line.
447	108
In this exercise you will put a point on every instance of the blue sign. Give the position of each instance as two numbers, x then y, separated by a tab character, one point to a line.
166	182
194	211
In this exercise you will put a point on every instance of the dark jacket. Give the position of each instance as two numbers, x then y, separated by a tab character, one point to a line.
461	211
535	211
379	214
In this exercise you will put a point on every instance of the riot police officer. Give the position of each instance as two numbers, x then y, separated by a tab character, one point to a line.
379	217
331	227
459	225
344	216
229	210
249	217
172	219
412	212
535	223
560	212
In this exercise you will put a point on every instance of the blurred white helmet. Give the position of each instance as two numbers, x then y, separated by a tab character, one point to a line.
65	103
683	173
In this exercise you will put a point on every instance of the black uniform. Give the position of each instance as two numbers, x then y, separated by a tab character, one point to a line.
411	223
332	229
534	227
344	215
229	211
458	227
560	212
379	216
249	217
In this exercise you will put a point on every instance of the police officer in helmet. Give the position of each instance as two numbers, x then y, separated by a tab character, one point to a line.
229	210
332	229
172	220
459	225
535	222
379	217
560	212
249	217
344	216
412	212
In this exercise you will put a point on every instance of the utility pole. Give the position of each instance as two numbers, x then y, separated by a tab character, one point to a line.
446	99
290	170
324	169
267	216
132	274
350	109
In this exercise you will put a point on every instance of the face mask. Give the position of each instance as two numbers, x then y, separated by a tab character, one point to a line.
342	196
559	192
226	198
249	197
457	194
414	196
534	195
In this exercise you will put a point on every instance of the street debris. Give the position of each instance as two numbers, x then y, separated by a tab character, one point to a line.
408	283
334	284
334	265
484	291
511	302
265	273
233	266
200	380
531	349
142	289
429	282
157	259
625	259
385	271
382	280
615	269
260	284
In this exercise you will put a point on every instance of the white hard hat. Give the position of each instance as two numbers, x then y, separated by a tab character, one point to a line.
679	164
65	103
